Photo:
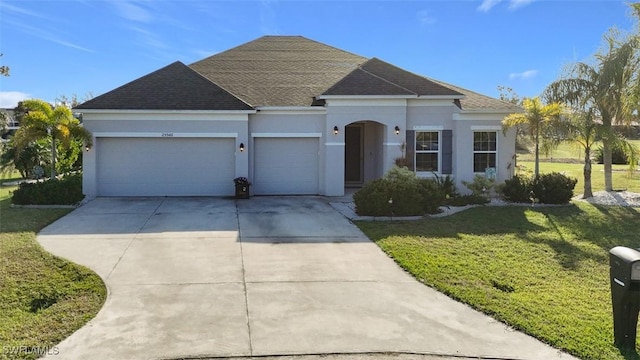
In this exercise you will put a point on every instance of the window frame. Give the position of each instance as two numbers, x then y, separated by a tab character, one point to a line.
438	152
474	151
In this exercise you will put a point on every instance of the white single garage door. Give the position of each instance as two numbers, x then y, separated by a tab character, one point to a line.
285	166
165	166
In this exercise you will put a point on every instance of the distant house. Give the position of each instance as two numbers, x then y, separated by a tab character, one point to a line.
10	124
293	115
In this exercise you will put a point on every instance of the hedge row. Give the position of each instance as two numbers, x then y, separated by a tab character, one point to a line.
65	191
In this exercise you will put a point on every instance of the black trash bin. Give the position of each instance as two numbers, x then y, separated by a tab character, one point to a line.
242	187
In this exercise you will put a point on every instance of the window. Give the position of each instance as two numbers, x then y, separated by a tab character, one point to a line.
484	150
427	151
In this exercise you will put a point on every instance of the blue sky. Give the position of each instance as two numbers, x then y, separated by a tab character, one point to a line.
56	48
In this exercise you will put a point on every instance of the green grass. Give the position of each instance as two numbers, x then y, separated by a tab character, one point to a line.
565	151
43	299
567	159
622	178
542	270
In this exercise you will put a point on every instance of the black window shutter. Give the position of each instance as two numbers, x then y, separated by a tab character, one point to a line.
447	152
411	149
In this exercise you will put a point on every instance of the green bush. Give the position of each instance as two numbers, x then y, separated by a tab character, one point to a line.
554	188
447	186
517	189
398	193
617	155
432	194
480	186
66	191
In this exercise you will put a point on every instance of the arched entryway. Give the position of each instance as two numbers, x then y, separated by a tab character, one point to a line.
363	152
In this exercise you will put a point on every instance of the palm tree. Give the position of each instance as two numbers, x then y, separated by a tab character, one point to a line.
609	88
581	128
535	119
45	122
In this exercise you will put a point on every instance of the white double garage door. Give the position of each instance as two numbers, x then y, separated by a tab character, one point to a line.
175	166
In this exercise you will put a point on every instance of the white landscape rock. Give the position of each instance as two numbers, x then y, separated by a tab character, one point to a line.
613	198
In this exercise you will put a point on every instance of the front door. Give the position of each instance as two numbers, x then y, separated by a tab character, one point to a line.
353	153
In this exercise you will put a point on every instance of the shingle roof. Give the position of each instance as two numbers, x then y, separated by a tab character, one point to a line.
361	82
174	87
474	101
279	70
376	77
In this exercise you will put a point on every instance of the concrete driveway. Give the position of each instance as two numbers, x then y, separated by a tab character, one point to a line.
208	277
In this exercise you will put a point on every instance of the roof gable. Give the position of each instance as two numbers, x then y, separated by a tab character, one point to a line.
174	87
415	83
360	82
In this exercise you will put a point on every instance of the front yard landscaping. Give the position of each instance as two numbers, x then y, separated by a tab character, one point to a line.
542	270
43	299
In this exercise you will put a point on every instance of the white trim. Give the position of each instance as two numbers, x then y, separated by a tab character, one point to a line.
618	282
488	115
428	127
335	144
166	134
486	128
423	102
286	135
391	144
367	102
496	152
165	116
118	111
438	152
366	97
292	110
407	96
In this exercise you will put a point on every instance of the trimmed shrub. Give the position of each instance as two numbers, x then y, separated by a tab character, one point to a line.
554	188
432	194
517	189
617	156
480	186
66	191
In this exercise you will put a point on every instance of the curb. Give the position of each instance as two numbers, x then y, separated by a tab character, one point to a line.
44	206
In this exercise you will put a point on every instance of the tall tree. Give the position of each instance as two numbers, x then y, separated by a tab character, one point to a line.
535	120
42	121
610	88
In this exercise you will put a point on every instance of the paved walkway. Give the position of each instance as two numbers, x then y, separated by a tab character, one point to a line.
211	277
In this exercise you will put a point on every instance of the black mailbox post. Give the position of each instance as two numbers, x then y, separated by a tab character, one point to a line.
625	294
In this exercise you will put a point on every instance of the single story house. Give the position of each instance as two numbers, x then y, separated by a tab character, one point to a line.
294	116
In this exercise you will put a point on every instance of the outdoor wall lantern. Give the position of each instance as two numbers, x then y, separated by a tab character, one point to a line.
241	147
397	129
335	130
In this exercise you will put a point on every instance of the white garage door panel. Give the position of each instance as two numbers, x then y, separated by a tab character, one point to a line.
165	167
286	166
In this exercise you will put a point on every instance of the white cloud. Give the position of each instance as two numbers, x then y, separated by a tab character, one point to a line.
133	12
523	75
488	4
10	99
425	17
46	35
514	4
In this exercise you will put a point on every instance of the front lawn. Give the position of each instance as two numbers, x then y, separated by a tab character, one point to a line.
623	179
43	299
542	270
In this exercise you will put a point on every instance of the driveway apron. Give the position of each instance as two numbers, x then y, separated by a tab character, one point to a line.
198	277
